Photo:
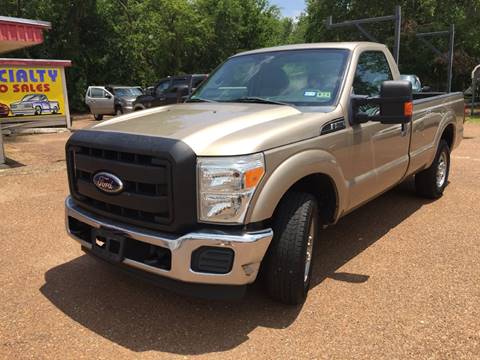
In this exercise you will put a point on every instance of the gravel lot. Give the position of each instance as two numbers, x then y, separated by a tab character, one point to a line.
398	278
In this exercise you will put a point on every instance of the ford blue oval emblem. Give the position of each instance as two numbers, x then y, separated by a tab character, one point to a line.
108	183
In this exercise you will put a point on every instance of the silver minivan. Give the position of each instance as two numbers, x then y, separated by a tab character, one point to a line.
111	100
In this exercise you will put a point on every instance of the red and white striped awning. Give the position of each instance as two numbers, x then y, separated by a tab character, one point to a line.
16	33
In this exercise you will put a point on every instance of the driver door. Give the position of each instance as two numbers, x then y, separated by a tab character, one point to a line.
379	151
100	101
159	96
173	94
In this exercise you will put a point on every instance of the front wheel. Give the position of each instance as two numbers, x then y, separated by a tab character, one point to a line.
98	117
290	257
38	110
431	182
118	111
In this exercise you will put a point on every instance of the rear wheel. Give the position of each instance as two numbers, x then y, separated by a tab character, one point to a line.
98	117
38	110
431	182
290	257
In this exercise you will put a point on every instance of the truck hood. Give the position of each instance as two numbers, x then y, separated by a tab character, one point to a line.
213	129
127	98
140	98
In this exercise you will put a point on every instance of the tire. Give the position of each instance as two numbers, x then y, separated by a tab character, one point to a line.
38	110
295	224
98	117
118	111
54	110
431	182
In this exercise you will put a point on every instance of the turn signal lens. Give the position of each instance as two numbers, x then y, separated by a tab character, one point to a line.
253	176
408	108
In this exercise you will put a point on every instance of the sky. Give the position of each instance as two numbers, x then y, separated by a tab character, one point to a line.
290	7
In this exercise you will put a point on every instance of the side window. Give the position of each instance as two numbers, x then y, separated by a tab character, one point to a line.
372	70
161	87
197	81
177	84
96	93
173	89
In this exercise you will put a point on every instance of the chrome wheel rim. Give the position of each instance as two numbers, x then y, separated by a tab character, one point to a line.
308	256
442	169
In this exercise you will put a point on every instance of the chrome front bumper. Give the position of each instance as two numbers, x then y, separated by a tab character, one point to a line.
249	248
127	109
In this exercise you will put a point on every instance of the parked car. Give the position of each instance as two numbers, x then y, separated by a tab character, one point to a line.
416	83
170	90
4	110
34	104
277	144
111	100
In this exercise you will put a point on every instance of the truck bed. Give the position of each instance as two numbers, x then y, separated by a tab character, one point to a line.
431	113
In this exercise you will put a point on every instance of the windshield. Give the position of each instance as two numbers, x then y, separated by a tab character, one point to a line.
298	77
32	98
127	92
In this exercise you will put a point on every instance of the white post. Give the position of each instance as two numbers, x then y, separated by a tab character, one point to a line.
65	100
2	152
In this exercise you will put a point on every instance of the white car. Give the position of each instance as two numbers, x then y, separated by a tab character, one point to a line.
111	100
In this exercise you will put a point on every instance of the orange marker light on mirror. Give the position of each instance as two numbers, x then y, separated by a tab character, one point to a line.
252	177
408	108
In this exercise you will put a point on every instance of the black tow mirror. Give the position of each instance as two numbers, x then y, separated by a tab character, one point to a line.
393	106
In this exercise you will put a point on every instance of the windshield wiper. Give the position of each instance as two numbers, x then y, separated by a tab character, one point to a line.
254	99
197	99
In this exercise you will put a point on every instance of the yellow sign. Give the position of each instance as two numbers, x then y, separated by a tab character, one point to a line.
31	91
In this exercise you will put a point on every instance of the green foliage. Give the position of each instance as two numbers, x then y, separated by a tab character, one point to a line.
418	16
137	42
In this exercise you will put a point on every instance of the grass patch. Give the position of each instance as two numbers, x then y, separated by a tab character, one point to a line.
473	119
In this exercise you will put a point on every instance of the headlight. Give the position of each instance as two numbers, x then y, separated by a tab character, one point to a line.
226	186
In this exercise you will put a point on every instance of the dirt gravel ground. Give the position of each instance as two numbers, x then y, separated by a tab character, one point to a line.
398	278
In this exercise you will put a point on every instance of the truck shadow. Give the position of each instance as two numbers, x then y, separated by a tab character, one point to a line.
357	231
141	317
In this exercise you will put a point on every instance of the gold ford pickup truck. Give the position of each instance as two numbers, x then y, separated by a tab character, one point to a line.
240	179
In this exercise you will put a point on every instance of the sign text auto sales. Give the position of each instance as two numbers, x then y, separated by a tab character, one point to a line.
27	80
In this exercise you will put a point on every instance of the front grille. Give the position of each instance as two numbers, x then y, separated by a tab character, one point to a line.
149	195
147	181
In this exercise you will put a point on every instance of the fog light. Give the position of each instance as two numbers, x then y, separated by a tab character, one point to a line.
213	260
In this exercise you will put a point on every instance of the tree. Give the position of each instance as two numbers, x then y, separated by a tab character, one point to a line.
418	16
